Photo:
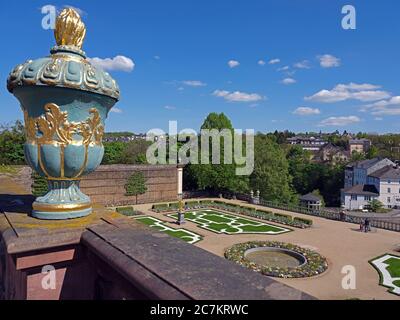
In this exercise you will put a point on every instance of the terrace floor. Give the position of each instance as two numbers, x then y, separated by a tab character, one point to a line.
341	243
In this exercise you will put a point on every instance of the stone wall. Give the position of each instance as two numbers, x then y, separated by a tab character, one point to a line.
106	184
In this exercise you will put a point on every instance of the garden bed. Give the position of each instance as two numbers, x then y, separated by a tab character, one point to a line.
315	263
284	219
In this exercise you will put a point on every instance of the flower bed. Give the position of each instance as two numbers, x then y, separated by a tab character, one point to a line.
316	264
247	211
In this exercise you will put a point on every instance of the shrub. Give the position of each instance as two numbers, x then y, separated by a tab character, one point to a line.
283	216
174	206
160	207
127	211
207	202
303	220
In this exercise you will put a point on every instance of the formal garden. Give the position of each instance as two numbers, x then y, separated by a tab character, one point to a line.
219	222
267	215
388	267
183	234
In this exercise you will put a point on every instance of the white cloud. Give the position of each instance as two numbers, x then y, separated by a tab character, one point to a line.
328	61
169	107
274	61
233	63
285	68
157	57
386	111
305	64
118	63
288	81
116	110
393	101
194	83
352	91
384	107
378	119
238	96
306	111
261	62
339	121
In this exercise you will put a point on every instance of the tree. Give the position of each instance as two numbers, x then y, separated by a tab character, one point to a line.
134	152
217	178
136	185
373	152
12	139
113	152
271	172
300	168
375	205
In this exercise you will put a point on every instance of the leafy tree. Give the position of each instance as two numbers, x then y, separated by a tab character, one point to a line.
299	168
373	152
12	139
39	185
271	172
136	185
357	156
134	152
375	205
216	177
113	152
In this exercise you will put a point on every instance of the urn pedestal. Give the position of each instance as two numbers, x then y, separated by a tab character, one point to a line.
65	101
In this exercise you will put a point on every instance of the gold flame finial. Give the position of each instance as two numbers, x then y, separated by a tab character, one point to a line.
70	30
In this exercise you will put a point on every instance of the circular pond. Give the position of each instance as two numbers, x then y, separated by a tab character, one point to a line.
275	257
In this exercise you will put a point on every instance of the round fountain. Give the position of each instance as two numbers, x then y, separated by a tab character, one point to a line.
275	257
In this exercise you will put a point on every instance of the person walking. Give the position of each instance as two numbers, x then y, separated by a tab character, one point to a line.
366	225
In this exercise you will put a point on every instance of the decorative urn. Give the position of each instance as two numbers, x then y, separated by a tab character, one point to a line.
65	101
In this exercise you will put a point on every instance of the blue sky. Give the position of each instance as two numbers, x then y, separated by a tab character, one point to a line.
266	64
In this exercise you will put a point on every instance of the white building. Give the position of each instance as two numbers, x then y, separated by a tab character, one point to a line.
371	179
308	143
357	172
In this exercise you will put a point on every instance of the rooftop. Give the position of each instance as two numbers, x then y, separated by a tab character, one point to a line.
388	172
362	189
358	141
310	197
365	164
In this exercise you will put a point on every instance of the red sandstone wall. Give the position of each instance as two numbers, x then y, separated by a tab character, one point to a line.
106	184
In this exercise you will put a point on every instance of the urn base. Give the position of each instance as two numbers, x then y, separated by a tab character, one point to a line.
63	201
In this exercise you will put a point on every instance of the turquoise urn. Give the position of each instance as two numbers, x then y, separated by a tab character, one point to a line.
65	101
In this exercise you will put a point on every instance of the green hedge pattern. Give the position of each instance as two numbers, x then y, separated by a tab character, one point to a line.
284	219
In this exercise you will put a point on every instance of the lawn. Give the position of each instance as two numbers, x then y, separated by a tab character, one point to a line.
220	222
388	267
394	267
183	234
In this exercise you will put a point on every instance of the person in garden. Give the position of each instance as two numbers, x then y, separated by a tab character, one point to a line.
367	225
